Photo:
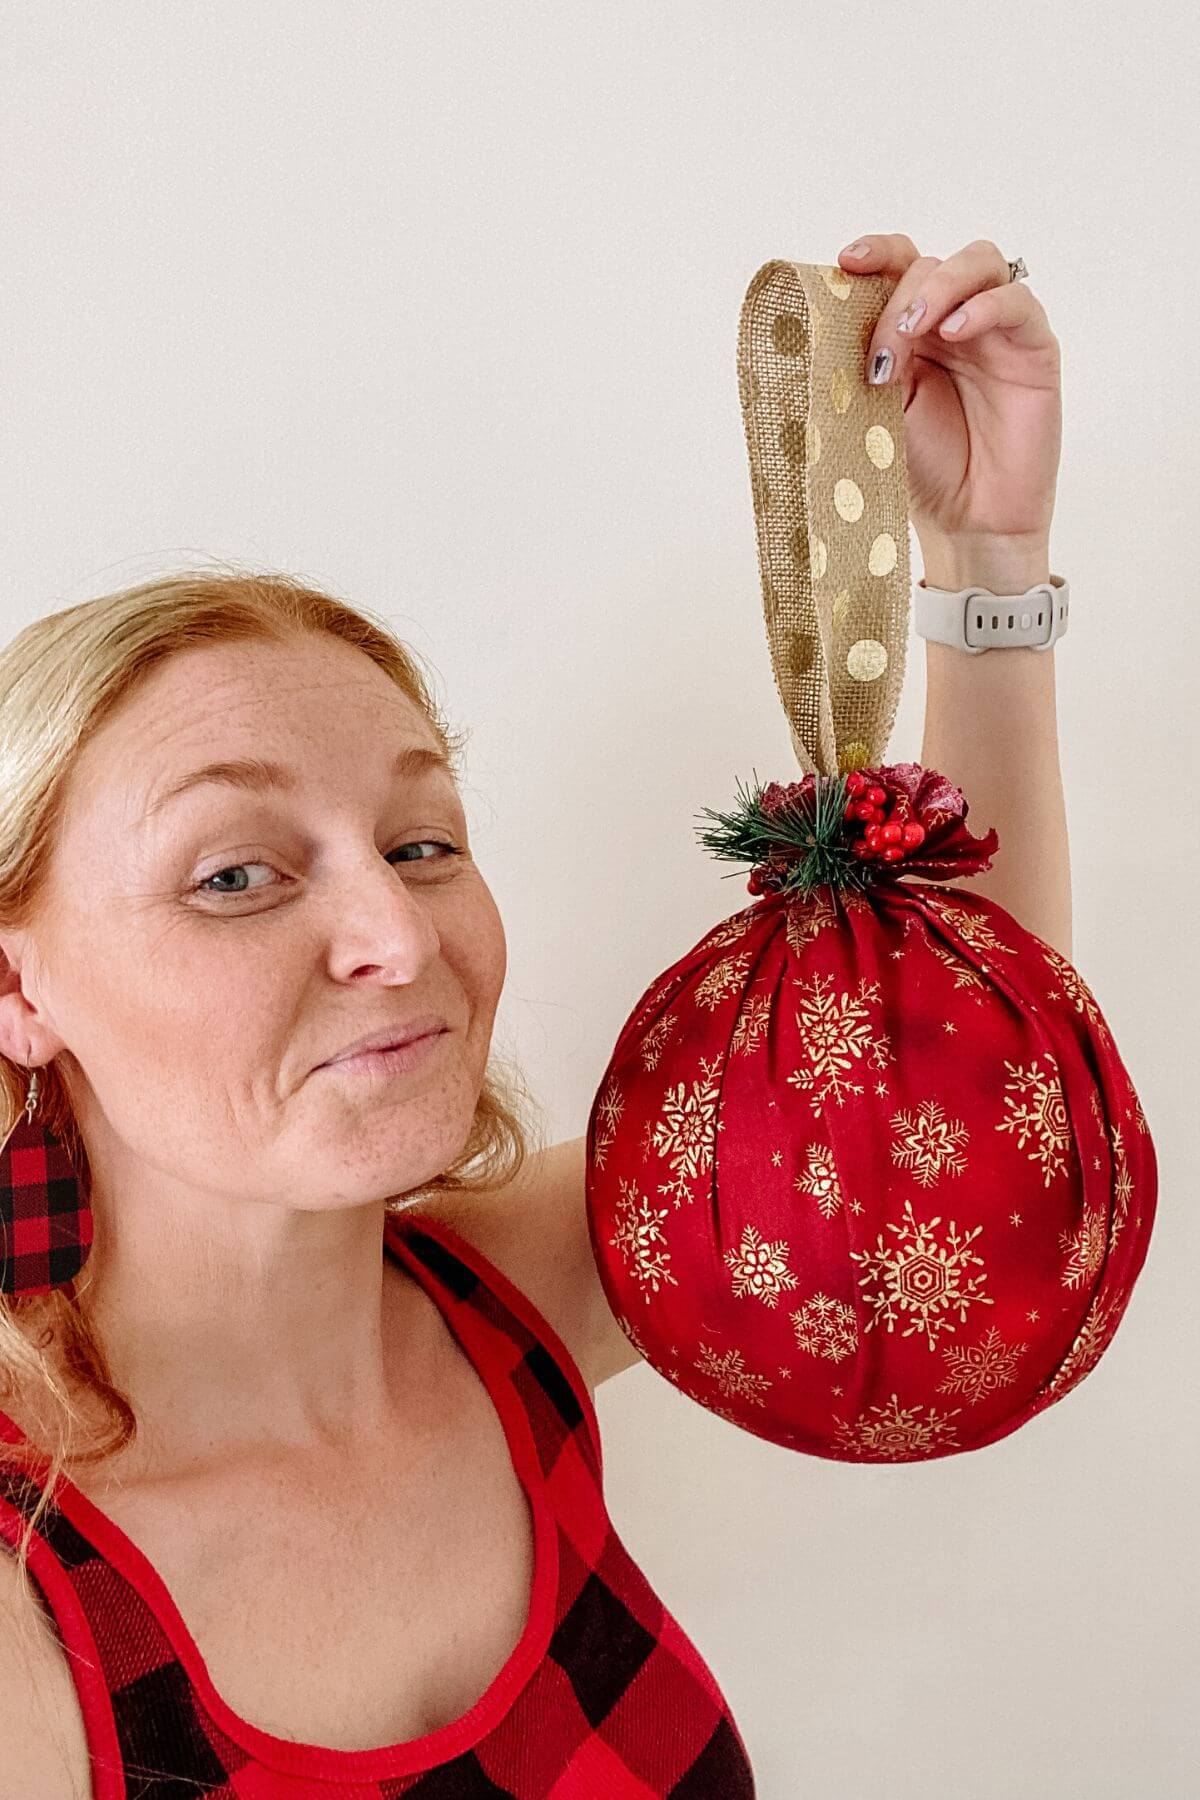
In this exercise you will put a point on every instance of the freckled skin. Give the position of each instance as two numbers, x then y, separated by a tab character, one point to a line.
237	1270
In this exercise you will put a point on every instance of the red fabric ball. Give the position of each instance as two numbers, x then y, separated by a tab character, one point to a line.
866	1175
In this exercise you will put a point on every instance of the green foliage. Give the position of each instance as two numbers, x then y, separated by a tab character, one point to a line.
800	842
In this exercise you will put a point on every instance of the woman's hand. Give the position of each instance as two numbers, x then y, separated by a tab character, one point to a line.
982	405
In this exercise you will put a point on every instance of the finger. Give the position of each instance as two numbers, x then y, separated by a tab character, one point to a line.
1012	308
890	349
894	256
937	293
931	292
887	253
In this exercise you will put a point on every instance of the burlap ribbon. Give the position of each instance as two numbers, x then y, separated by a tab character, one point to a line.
830	488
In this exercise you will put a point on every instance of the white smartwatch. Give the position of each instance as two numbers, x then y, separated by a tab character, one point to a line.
975	619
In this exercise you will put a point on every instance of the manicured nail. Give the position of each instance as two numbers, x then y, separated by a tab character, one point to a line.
881	368
860	247
956	321
910	315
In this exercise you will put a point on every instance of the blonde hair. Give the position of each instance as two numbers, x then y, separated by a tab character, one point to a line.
60	678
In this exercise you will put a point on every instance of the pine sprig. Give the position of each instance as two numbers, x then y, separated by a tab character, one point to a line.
799	843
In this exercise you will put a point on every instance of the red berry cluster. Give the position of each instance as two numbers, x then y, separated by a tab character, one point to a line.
888	836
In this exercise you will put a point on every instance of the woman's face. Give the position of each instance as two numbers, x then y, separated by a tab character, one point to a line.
191	1013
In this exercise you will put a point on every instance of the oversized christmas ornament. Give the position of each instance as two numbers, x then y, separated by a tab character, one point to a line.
866	1175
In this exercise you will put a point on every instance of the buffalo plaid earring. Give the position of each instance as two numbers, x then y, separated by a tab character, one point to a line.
45	1220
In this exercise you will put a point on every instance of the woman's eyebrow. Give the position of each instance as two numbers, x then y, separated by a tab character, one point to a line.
254	774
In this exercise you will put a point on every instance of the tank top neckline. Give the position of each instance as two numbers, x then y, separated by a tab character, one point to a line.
411	1755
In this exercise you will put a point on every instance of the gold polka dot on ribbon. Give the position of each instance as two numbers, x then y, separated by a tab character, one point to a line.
867	659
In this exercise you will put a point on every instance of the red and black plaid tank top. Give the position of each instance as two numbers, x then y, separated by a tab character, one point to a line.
603	1698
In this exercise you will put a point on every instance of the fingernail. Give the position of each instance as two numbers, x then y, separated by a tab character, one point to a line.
955	322
881	367
858	248
910	315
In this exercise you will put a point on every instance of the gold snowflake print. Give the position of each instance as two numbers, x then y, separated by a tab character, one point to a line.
929	1144
1139	1115
609	1108
728	931
658	995
632	1333
686	1129
896	1432
731	1375
655	1038
1074	989
723	979
639	1239
854	902
966	975
1038	1116
1091	1341
820	1179
760	1268
706	1401
826	1327
836	1033
973	928
806	917
976	1370
752	1022
921	1278
1123	1185
1085	1247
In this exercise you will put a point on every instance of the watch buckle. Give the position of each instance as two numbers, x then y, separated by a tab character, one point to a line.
1017	604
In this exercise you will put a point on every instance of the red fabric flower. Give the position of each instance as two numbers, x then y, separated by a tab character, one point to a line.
935	803
866	1175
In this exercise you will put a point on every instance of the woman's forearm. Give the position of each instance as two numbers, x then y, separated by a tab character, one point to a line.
991	726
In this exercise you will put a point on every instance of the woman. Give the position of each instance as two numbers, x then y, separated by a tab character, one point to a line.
270	1577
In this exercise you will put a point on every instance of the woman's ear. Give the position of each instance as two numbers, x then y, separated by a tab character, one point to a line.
24	1037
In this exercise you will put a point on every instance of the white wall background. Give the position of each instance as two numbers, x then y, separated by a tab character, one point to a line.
437	304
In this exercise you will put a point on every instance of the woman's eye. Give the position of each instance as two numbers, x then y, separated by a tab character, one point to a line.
235	868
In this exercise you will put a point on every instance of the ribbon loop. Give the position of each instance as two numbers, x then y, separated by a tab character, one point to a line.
829	484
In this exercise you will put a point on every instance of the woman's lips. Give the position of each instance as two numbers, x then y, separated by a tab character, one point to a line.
388	1062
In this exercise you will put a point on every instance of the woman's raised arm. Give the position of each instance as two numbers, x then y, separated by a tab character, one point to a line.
991	725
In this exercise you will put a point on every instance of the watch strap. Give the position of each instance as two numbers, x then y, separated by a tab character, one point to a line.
975	619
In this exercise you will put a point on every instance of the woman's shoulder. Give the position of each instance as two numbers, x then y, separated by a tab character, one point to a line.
41	1724
534	1231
